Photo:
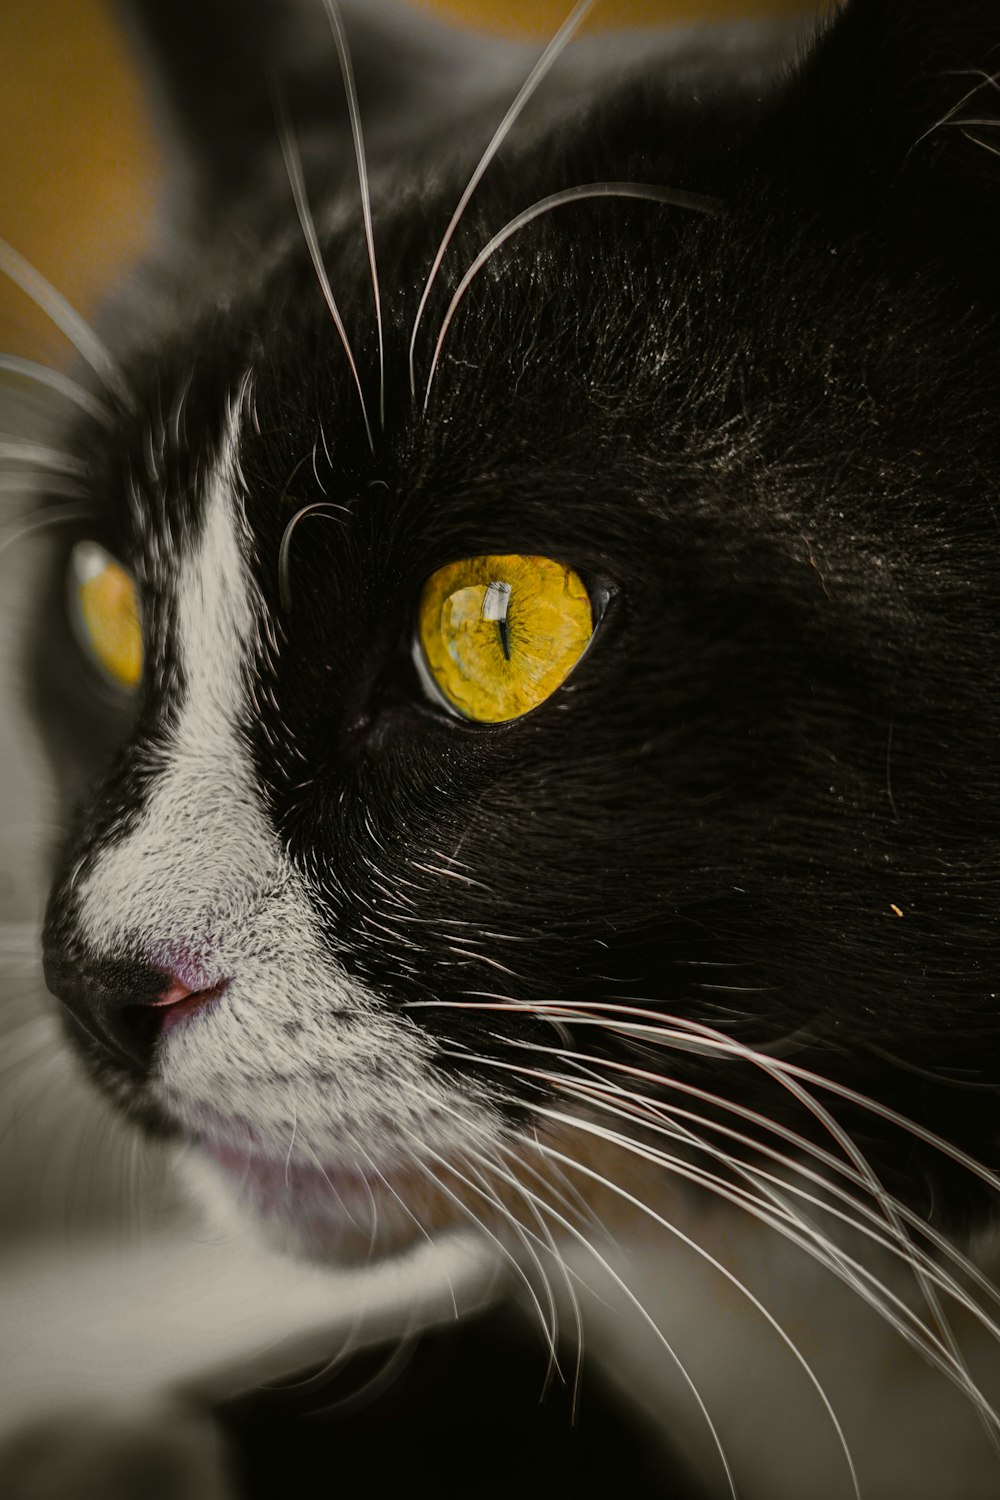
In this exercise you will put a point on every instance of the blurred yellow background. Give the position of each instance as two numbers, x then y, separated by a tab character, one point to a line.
78	163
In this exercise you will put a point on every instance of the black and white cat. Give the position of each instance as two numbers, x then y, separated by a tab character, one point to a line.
526	685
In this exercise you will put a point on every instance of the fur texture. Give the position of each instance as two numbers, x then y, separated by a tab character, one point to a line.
741	865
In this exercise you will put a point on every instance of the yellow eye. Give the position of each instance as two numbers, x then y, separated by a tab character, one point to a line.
105	614
498	635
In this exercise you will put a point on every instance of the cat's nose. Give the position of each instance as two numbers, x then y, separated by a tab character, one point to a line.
123	1005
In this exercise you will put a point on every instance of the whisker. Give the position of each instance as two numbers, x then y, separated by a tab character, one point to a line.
943	1353
350	88
928	1343
37	455
545	1240
564	1270
589	190
318	507
417	1222
545	62
44	295
854	1274
372	1203
799	1142
924	1269
526	1237
986	80
46	518
639	1307
550	1329
392	1367
904	1249
993	150
665	1035
72	390
681	1033
296	181
483	1228
332	1186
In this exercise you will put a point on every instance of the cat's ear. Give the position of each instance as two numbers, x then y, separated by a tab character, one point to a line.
897	110
217	69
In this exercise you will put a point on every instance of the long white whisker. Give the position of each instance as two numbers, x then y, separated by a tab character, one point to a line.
902	1242
45	518
783	1069
526	1238
907	1251
66	318
318	507
674	1031
925	1270
944	1355
564	1269
23	451
993	150
789	1077
893	1209
855	1275
484	1229
296	181
332	1186
636	190
376	1172
72	390
856	1157
639	1307
550	55
372	1202
350	88
986	80
783	1220
395	1362
550	1329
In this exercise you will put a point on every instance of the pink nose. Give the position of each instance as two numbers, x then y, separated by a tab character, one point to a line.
178	1001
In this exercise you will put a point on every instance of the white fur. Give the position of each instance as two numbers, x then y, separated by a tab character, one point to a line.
296	1060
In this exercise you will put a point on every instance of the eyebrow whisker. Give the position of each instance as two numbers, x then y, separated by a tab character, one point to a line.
550	55
351	90
296	181
44	295
589	190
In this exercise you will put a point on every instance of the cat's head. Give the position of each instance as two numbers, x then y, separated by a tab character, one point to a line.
601	721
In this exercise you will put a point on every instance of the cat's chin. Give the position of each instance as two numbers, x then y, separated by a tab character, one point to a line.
330	1213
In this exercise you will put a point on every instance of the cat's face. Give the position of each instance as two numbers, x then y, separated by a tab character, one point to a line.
704	495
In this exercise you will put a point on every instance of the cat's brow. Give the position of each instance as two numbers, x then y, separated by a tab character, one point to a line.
350	89
296	180
552	52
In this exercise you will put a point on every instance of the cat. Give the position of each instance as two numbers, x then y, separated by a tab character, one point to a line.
524	686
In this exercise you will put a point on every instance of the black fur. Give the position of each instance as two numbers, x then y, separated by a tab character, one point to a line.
766	800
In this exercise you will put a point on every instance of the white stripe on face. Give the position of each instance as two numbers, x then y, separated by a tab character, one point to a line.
201	840
295	1056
